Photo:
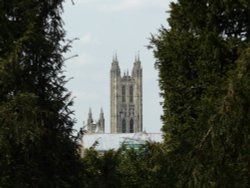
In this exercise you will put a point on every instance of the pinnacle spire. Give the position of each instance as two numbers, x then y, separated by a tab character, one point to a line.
115	59
90	119
137	65
137	56
90	113
101	114
115	65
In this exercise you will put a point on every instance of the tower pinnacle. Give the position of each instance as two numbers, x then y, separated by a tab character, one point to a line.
137	57
90	113
115	59
101	114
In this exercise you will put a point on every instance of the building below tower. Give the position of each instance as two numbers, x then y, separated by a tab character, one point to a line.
125	114
108	141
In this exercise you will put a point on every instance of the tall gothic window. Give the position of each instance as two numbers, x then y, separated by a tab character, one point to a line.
123	126
123	93
131	126
131	94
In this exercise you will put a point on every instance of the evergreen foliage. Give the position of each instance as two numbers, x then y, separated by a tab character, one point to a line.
101	171
203	68
37	148
204	65
125	168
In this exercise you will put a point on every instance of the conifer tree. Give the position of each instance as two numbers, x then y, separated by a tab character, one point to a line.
37	148
197	60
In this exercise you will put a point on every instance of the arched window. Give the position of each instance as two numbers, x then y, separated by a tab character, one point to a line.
131	94
131	126
123	126
123	93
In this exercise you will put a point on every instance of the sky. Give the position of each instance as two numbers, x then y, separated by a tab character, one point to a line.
103	28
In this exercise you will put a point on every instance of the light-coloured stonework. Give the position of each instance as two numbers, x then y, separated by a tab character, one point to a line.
126	98
95	127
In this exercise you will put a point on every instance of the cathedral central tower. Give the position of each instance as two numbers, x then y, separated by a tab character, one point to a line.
126	98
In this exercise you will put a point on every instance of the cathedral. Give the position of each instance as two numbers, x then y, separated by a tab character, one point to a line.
125	101
125	114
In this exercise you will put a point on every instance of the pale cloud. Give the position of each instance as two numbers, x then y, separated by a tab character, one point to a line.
126	5
122	5
85	96
82	60
85	1
88	39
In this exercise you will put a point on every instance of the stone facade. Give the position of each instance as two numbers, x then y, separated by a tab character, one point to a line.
126	98
95	127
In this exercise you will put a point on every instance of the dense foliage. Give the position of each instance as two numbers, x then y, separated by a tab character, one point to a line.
204	73
37	148
124	168
203	63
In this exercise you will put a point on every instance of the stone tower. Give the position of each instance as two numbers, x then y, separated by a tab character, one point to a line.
101	122
96	127
126	98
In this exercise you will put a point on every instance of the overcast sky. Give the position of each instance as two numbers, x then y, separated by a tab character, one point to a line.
103	28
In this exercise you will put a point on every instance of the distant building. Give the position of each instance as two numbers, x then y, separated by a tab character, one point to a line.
95	127
105	142
126	98
125	114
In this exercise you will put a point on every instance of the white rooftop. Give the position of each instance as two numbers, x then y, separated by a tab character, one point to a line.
107	141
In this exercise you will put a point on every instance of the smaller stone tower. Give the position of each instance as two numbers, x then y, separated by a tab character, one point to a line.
98	126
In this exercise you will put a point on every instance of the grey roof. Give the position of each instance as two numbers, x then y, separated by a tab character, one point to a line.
108	141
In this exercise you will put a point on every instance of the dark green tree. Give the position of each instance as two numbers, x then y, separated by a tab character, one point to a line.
37	147
142	167
101	170
230	141
197	62
126	167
